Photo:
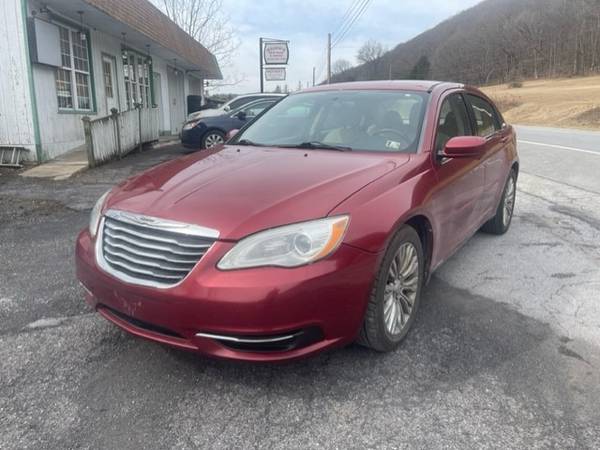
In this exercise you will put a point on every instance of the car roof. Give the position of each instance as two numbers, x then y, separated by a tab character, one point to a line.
408	85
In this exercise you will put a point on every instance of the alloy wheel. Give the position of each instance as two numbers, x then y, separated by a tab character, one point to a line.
509	201
401	289
213	139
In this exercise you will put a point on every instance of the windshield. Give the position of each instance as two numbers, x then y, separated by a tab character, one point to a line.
358	120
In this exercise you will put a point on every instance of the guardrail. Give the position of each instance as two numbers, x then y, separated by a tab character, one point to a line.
114	136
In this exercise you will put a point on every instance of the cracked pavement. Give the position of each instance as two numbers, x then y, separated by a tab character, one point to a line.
505	352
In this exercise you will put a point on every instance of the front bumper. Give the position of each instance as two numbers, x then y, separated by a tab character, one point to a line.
192	137
321	305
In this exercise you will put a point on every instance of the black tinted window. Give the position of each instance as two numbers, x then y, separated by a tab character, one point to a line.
453	121
486	119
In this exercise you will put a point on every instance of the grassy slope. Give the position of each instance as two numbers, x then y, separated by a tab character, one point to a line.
570	102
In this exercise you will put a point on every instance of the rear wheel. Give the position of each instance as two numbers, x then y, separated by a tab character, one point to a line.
396	293
213	138
500	223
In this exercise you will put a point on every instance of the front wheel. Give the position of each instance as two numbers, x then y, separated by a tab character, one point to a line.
396	293
212	139
501	221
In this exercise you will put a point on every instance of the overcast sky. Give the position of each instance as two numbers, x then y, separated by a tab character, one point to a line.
305	23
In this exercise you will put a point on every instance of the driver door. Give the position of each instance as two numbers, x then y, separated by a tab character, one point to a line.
457	198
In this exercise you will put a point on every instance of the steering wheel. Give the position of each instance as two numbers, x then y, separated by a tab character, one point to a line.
396	134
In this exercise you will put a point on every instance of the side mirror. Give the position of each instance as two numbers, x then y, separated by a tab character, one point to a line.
241	115
231	134
465	147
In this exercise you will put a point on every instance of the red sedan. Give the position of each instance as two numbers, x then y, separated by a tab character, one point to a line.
316	226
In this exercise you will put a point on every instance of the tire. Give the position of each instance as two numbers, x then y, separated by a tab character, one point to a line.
376	330
213	138
500	223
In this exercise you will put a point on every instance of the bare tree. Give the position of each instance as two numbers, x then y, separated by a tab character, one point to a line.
340	65
370	51
206	22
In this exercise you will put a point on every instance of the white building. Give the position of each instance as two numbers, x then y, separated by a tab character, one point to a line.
61	60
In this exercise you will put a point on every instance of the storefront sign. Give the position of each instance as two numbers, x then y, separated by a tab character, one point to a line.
276	53
275	74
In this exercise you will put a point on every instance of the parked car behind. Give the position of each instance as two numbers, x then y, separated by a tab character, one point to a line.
233	104
315	226
207	132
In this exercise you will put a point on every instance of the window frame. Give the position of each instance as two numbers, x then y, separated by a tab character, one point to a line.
73	71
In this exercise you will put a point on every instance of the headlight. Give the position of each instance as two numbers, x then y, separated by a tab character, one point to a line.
191	124
287	246
96	214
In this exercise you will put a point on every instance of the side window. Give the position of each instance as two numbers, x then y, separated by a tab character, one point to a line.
486	119
239	102
453	121
256	109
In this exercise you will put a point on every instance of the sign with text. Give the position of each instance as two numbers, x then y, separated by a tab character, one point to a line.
276	53
275	74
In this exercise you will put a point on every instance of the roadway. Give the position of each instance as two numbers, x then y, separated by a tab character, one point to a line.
565	156
505	352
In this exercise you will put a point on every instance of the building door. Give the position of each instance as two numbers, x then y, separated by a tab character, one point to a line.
109	76
158	100
176	99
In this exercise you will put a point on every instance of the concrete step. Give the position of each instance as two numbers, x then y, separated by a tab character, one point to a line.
60	168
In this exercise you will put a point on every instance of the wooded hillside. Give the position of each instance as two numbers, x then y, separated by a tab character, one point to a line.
498	41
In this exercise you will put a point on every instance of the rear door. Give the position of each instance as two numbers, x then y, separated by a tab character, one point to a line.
487	124
457	198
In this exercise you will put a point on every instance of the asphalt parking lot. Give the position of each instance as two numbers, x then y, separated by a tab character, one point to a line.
505	352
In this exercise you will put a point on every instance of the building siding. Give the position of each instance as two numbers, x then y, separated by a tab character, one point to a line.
28	96
63	132
16	113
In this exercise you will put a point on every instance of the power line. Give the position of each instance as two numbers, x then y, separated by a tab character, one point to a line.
359	13
347	14
350	21
351	16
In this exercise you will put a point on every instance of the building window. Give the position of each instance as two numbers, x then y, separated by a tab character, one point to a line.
108	81
73	78
136	70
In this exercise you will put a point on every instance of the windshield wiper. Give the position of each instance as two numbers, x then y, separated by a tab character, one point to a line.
320	146
248	142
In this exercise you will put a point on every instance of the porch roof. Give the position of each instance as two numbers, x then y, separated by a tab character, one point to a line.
144	25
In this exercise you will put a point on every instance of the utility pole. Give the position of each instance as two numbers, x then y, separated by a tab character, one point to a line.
328	58
260	52
314	68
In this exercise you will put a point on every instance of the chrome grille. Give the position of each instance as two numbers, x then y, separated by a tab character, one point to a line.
148	250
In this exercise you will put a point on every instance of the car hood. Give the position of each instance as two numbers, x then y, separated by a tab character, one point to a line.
239	191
